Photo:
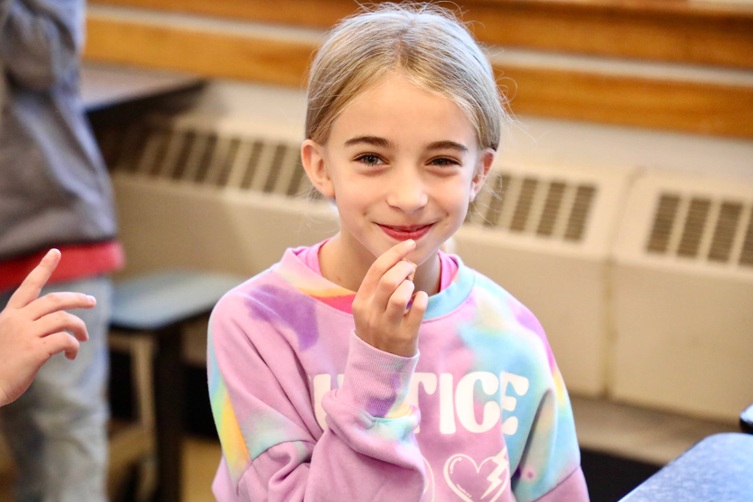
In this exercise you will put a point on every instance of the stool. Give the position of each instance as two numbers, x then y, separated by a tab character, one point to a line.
156	306
132	443
746	420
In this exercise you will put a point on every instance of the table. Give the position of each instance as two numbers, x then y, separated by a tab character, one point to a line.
107	86
157	305
718	468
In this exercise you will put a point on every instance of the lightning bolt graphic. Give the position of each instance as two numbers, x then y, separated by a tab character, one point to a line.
495	477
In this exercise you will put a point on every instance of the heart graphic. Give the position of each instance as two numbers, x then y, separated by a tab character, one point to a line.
474	482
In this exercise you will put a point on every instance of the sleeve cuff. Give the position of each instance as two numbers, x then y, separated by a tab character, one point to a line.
377	382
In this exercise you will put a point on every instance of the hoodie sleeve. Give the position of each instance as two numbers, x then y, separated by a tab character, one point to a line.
41	40
273	448
549	467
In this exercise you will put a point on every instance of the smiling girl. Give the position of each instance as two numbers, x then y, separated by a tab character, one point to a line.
335	377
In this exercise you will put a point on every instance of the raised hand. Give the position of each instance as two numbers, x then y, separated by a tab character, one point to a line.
33	329
387	312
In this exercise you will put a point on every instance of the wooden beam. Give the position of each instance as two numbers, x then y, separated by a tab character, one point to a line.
669	31
716	109
302	13
692	107
210	54
685	31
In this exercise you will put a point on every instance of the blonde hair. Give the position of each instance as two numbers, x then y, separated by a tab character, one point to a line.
425	43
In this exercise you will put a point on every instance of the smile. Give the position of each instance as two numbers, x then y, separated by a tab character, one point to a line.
403	233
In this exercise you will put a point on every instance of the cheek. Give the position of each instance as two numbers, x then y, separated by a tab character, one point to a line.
457	196
353	202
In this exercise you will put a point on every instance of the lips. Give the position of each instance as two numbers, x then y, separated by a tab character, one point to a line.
403	233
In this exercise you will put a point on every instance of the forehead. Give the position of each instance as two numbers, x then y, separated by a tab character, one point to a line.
396	108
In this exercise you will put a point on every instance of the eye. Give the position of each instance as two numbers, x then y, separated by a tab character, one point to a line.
444	162
369	159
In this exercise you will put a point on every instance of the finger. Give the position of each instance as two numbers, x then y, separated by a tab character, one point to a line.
30	288
61	321
385	262
400	273
61	342
53	302
413	269
399	300
387	273
415	314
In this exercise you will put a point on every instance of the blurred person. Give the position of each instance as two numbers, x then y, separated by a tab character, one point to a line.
55	192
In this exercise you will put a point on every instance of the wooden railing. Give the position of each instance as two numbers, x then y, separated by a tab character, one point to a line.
691	36
668	30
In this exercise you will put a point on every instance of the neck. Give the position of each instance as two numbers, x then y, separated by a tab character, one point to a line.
428	275
341	267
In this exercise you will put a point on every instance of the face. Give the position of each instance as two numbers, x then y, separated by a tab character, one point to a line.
401	163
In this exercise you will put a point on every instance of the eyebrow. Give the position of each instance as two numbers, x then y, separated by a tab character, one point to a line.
447	145
369	140
384	143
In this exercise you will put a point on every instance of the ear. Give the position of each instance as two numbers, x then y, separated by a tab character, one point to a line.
312	158
486	159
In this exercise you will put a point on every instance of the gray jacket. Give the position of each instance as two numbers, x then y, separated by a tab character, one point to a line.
54	187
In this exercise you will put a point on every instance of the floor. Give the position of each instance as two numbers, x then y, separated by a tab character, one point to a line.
622	431
199	464
639	433
202	457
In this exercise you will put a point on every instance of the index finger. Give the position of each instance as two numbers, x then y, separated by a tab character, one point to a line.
386	261
30	288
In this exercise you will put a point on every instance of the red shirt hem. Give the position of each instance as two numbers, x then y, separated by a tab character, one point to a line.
76	262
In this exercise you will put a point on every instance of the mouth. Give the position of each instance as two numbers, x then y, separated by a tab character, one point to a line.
405	232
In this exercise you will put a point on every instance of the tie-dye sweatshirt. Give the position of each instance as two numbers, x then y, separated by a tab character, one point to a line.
305	410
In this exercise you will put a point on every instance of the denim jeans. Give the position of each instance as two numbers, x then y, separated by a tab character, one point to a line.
57	431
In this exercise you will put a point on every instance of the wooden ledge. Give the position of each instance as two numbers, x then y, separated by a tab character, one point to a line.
677	31
688	31
705	108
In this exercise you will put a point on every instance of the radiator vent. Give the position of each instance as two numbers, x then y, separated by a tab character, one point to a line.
207	158
522	204
681	294
700	227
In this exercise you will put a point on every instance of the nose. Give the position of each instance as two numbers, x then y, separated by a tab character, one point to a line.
407	190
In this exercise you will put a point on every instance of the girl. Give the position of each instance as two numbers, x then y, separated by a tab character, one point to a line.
374	366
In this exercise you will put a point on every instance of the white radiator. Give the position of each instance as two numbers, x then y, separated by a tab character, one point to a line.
683	295
547	240
211	194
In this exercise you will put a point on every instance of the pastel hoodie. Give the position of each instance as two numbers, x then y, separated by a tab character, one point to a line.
305	410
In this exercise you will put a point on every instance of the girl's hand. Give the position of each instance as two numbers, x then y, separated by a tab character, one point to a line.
33	329
384	315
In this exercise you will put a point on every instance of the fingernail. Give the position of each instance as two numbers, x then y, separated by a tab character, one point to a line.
410	302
